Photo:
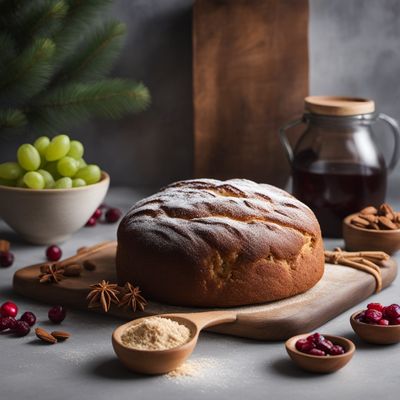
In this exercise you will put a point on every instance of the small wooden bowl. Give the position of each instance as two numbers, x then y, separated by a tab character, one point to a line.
358	239
320	364
377	334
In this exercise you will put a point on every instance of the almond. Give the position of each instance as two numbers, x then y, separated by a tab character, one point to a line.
386	210
374	225
45	336
369	210
369	217
60	335
72	270
4	246
386	223
81	250
89	265
359	221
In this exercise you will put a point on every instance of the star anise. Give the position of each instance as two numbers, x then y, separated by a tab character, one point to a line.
50	273
132	298
102	295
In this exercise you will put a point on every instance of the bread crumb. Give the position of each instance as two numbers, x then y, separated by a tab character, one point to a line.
156	333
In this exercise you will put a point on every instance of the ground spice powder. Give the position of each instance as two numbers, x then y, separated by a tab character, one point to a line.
156	333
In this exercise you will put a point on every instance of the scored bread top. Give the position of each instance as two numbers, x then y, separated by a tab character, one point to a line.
235	218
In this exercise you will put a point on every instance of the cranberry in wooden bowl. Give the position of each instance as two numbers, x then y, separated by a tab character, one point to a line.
320	353
377	324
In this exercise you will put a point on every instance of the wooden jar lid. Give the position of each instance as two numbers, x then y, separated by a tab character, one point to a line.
338	106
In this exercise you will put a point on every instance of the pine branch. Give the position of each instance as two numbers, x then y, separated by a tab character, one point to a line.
41	19
110	98
80	17
11	118
7	49
27	73
96	57
9	10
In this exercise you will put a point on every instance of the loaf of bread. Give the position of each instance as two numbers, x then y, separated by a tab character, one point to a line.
211	243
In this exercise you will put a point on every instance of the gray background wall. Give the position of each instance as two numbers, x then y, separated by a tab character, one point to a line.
354	50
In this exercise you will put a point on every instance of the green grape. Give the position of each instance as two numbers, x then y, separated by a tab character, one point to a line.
82	163
48	178
67	166
76	150
10	171
7	182
28	157
90	174
58	148
20	183
34	180
63	183
78	182
52	168
41	145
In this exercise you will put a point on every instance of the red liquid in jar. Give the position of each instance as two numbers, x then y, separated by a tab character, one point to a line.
334	190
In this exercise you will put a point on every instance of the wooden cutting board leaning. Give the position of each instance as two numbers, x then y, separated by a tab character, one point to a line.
339	289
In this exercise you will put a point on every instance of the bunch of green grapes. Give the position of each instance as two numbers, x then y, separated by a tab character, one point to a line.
50	164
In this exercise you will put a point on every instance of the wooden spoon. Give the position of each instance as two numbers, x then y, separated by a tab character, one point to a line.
163	361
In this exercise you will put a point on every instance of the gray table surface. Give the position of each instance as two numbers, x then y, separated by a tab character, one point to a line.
85	367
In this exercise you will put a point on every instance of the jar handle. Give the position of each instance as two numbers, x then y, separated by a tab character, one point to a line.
394	126
284	139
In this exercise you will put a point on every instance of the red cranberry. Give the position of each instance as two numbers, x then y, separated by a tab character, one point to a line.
315	338
325	345
3	323
373	316
9	309
11	322
97	214
57	314
336	350
53	253
375	306
300	343
304	345
21	328
317	352
361	317
392	311
395	321
6	259
383	322
113	215
91	221
29	318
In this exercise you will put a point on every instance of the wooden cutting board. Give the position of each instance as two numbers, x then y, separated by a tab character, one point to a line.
250	77
339	289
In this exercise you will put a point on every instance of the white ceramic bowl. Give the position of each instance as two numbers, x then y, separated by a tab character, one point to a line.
50	216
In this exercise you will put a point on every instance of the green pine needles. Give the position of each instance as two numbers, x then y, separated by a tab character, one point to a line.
54	56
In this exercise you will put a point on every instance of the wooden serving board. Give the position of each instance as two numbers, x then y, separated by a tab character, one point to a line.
339	289
250	77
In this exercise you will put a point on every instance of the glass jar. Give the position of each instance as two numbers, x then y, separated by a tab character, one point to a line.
336	167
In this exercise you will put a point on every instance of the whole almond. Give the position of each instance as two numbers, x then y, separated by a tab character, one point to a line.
45	336
359	221
369	210
72	270
386	210
368	217
374	225
386	223
89	265
60	335
4	246
81	250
